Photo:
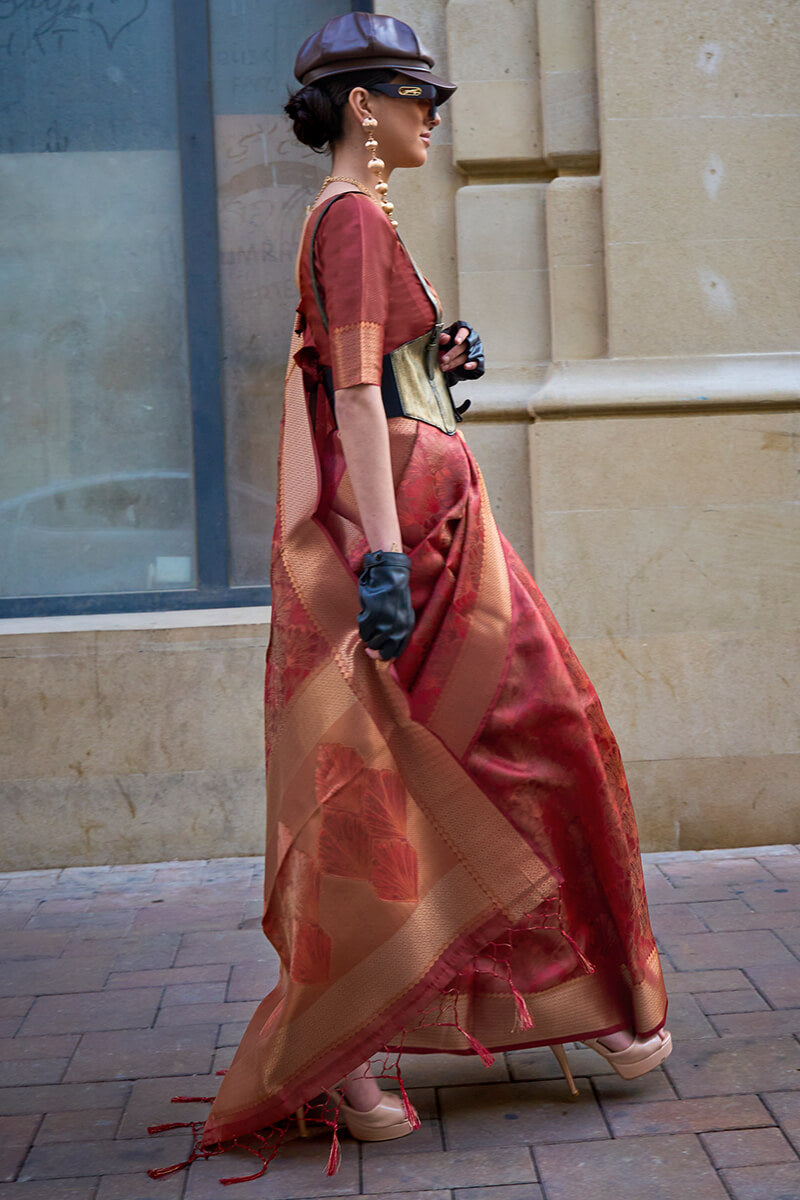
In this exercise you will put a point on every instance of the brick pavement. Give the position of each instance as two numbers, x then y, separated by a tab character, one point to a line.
122	986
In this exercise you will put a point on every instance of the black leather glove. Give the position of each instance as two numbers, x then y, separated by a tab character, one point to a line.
474	348
386	619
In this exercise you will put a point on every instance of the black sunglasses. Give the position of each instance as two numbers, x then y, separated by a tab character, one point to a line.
415	91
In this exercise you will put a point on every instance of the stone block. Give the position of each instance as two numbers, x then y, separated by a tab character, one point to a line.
502	263
699	460
224	806
52	977
20	1049
702	297
514	314
782	867
231	946
132	1187
254	981
763	1182
78	1125
231	1034
510	1114
629	1168
785	1107
773	897
514	1191
139	1053
748	1148
17	1134
754	948
105	1157
569	112
722	179
578	311
734	1066
744	1001
182	915
575	247
686	1019
667	919
496	64
195	993
686	1116
678	560
62	1097
501	227
20	1130
150	1102
649	1088
779	983
733	60
501	448
31	943
168	977
133	1008
699	801
178	1015
718	870
34	1070
759	1024
398	1173
727	915
135	952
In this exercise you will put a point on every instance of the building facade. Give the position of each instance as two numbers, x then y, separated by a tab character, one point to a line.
611	199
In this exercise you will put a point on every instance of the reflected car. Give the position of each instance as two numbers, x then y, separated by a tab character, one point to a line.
130	531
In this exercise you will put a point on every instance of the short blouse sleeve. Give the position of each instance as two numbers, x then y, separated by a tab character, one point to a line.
354	257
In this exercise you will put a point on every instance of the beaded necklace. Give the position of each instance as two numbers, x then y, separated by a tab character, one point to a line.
342	179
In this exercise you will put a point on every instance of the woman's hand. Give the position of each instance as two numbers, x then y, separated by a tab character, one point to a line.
461	353
386	620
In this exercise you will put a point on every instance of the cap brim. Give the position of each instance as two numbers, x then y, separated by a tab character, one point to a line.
444	90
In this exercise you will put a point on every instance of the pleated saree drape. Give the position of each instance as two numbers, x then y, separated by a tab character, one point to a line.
452	861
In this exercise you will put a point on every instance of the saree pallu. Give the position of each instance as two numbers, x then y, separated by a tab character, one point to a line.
452	860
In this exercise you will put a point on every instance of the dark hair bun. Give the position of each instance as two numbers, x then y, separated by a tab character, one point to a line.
317	110
316	118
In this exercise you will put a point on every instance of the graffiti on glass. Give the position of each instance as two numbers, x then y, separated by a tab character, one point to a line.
37	26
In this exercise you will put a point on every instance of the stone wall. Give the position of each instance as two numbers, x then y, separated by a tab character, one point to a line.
627	239
612	199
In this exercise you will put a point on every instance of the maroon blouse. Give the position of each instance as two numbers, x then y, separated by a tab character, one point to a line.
372	297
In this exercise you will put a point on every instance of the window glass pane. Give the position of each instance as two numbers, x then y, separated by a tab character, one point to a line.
96	490
265	179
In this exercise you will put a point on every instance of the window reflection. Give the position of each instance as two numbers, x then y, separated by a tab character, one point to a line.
96	492
265	179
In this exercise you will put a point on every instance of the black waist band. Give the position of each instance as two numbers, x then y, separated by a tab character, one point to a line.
389	393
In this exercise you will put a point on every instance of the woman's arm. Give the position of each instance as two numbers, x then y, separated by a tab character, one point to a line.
361	419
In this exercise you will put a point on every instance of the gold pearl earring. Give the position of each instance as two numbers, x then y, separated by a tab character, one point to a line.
377	166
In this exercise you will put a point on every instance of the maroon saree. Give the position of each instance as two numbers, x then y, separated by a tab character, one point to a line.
452	860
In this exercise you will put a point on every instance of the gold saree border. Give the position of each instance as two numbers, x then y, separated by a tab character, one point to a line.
590	1005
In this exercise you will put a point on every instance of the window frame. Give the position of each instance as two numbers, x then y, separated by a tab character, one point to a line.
204	333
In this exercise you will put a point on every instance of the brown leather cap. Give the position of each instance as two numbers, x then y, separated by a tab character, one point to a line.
364	41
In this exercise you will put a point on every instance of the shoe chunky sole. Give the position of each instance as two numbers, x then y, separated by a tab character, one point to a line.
387	1120
638	1058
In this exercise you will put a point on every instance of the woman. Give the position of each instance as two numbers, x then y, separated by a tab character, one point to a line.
452	860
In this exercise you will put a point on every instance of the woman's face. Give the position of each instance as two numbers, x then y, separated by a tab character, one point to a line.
404	127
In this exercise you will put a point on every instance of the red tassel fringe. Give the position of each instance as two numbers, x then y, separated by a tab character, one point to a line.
335	1156
264	1148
